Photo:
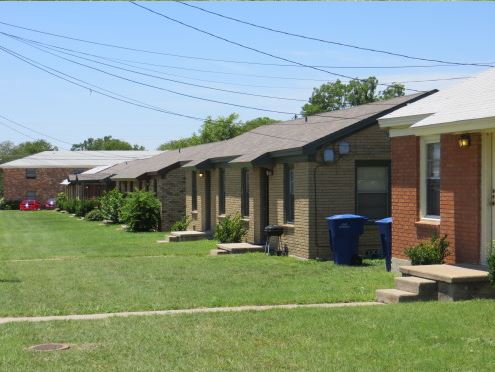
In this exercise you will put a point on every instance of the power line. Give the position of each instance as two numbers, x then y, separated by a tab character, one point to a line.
29	41
252	48
216	59
117	60
333	42
166	89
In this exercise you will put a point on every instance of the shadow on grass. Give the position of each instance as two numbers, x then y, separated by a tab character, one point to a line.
10	280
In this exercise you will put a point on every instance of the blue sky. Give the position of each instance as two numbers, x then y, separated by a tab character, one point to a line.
448	31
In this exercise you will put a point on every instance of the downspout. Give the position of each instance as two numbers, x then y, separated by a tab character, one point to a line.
315	212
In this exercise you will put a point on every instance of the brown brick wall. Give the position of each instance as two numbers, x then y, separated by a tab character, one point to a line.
172	195
335	194
460	196
46	184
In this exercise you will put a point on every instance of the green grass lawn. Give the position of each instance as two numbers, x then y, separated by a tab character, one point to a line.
106	270
405	337
48	234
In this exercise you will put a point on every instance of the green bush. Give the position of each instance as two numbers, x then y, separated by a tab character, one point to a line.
182	224
82	207
141	211
110	204
62	201
491	264
9	204
231	229
94	215
430	252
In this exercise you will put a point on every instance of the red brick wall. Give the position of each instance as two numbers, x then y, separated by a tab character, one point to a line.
46	184
405	196
460	195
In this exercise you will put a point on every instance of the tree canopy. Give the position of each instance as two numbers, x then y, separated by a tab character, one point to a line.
107	143
338	95
219	129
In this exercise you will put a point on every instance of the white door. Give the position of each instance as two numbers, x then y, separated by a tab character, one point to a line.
487	196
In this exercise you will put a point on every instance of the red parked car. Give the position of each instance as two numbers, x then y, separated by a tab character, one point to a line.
29	205
51	203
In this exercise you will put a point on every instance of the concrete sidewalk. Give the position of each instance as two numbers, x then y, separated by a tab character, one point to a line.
183	311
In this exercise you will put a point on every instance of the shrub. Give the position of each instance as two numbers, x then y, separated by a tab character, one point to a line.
182	224
62	201
491	264
141	211
231	229
94	215
9	204
82	207
430	252
110	204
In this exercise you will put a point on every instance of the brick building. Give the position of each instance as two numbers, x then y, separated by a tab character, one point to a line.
162	174
443	151
296	173
40	176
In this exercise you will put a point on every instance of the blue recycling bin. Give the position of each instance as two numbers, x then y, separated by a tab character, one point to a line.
385	230
344	231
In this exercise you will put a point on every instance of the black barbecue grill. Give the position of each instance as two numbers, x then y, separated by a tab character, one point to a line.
274	231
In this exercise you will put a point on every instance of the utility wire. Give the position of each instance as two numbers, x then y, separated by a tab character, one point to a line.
215	59
333	42
252	48
28	41
164	89
117	60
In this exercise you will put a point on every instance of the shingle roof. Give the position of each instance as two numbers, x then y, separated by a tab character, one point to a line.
77	159
157	163
293	134
302	133
474	98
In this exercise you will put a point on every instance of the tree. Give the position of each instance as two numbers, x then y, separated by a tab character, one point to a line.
219	129
338	95
107	143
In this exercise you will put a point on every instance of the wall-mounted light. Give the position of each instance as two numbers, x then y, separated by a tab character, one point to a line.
201	174
344	148
464	141
328	155
269	172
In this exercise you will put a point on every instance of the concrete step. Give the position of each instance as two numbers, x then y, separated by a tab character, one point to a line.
240	247
183	236
394	296
218	252
425	288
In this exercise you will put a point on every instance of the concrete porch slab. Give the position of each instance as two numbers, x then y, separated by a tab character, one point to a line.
182	236
240	247
446	273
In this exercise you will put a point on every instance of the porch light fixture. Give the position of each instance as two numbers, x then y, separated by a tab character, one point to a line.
201	174
344	148
269	172
464	141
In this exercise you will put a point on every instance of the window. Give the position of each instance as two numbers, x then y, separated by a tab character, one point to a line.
155	186
31	195
31	173
194	191
289	193
373	189
131	186
221	191
245	192
432	186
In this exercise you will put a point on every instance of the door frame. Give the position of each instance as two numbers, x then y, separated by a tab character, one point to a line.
487	186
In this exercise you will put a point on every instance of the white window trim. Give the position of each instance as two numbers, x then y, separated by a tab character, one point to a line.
422	177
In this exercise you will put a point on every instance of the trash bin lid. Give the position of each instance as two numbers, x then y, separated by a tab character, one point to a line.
346	217
385	220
